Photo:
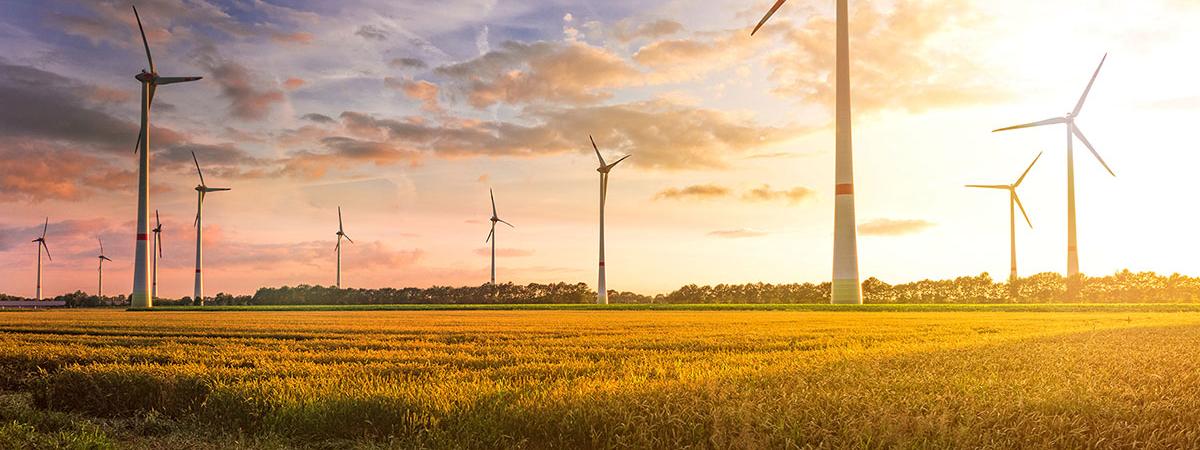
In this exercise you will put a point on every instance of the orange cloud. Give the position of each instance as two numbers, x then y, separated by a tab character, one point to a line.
699	191
298	37
293	83
890	227
897	58
541	72
421	90
792	196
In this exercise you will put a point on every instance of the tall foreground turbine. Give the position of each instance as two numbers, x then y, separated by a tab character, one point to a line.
41	244
1072	133
341	233
846	287
142	297
100	270
201	189
601	286
492	234
156	253
1013	202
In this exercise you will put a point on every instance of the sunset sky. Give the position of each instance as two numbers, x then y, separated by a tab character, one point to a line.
406	112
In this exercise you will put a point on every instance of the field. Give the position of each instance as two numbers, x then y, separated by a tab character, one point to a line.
1123	377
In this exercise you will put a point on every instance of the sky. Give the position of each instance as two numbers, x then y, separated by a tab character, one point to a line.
406	113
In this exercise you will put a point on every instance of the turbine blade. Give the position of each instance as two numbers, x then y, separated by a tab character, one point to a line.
1033	124
1019	205
490	233
45	226
1079	134
768	16
339	218
157	223
217	189
173	80
138	145
614	164
198	168
144	41
47	247
105	258
597	149
1083	98
493	195
348	238
988	186
153	89
338	246
1035	160
506	223
158	237
101	245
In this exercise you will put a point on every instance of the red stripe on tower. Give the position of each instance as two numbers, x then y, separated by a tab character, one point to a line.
142	237
601	263
845	189
197	270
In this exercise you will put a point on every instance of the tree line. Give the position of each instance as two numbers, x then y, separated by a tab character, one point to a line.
1122	287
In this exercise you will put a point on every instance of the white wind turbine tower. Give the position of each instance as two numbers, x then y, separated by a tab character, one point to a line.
845	287
1013	202
142	297
198	292
492	234
341	233
41	244
156	253
100	270
1072	133
601	286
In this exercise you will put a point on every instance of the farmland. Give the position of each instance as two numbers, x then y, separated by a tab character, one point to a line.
601	378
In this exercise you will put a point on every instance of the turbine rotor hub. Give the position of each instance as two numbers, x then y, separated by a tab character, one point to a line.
146	77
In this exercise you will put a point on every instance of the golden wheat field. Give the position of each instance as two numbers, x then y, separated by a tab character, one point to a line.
599	379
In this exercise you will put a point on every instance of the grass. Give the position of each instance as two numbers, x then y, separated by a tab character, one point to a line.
941	307
554	378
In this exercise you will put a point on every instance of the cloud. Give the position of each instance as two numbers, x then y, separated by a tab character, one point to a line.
343	153
372	32
298	37
625	32
408	63
659	133
249	97
698	191
678	59
54	107
890	227
420	90
504	252
738	233
293	83
540	72
318	118
792	196
903	57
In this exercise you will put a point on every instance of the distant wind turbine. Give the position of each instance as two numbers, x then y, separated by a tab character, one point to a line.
142	295
201	189
41	244
492	234
156	253
845	287
1013	200
100	270
341	233
1072	133
601	286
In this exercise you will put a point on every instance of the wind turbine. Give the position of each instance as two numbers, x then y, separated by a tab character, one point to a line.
340	234
41	243
492	234
198	292
1013	199
142	296
845	287
156	253
1072	132
601	287
100	270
